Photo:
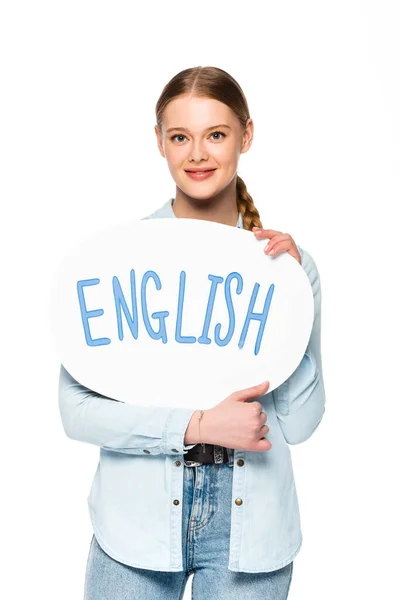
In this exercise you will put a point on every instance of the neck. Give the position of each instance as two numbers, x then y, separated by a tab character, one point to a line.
221	208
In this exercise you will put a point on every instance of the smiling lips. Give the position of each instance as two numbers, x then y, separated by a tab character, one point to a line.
200	174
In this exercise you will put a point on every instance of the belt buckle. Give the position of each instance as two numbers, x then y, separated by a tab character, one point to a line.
218	454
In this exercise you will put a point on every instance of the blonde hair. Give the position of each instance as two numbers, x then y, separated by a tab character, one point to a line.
212	82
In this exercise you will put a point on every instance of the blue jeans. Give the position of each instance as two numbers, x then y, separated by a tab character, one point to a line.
207	495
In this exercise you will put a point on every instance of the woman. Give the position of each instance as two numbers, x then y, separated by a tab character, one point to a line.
180	491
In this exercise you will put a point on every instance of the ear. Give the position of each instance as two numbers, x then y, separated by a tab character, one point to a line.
159	140
247	136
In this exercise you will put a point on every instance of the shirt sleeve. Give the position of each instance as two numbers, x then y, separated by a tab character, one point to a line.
115	425
300	400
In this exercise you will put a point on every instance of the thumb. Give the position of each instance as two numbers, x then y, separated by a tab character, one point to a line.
251	392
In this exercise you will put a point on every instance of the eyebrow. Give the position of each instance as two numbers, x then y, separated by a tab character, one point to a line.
187	130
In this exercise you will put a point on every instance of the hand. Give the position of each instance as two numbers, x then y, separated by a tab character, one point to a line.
235	423
278	242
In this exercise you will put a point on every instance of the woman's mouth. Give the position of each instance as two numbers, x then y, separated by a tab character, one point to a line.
200	175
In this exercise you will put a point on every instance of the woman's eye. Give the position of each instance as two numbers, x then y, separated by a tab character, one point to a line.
219	133
180	135
177	135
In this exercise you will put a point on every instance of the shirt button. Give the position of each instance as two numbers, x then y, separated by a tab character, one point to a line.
238	501
176	502
177	463
147	451
240	462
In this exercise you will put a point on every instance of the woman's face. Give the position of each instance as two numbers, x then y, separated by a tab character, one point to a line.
202	133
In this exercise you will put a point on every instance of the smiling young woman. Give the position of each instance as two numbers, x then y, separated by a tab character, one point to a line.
202	138
164	504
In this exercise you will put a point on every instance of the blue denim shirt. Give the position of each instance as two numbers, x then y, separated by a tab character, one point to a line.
135	500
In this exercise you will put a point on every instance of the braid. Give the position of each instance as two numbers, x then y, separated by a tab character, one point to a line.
245	204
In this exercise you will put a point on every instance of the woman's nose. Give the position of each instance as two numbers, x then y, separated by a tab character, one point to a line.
198	152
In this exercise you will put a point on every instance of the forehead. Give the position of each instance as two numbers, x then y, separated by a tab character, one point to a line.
197	113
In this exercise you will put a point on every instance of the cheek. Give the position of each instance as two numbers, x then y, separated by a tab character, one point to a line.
225	155
177	158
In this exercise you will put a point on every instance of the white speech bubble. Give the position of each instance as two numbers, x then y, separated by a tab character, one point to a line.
179	312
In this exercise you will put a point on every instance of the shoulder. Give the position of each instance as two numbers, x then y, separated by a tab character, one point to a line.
152	216
163	211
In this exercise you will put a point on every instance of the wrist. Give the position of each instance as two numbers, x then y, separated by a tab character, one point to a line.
203	427
197	432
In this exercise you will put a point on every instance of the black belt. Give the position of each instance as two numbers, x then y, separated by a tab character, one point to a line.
207	453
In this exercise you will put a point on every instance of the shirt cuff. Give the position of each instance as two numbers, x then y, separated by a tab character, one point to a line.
173	434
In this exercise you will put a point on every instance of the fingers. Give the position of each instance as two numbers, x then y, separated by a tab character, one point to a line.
262	445
275	246
263	233
267	444
264	441
255	390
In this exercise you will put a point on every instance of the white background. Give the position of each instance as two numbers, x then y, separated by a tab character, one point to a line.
80	81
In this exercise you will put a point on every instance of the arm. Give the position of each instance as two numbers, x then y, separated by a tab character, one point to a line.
114	425
300	400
